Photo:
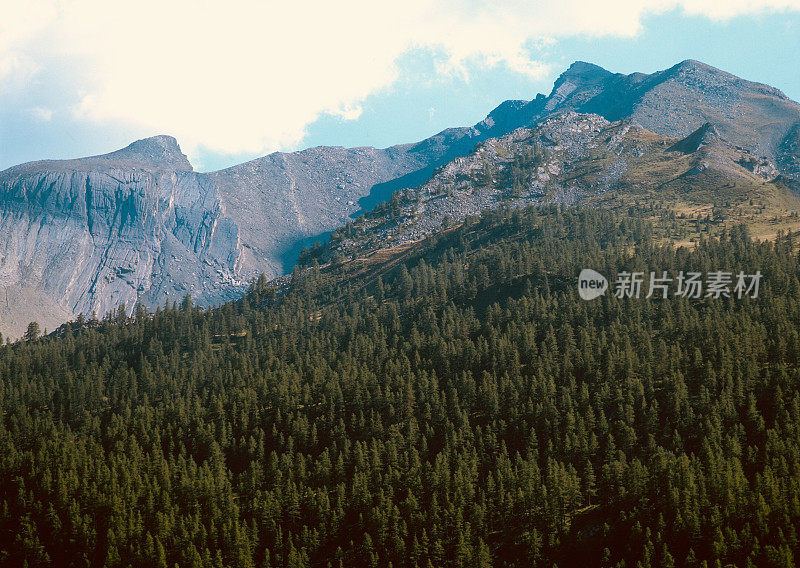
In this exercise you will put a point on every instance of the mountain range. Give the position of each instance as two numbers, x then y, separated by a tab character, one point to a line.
140	225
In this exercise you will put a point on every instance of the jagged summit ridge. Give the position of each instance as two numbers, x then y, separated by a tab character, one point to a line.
677	101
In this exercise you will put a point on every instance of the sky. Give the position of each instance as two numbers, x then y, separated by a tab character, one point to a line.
239	79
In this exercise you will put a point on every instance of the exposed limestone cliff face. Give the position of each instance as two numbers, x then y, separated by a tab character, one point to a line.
88	235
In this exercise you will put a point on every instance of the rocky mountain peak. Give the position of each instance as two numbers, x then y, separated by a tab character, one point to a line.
580	77
157	151
698	75
696	65
583	73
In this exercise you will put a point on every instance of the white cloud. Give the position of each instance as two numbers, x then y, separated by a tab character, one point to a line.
347	111
249	76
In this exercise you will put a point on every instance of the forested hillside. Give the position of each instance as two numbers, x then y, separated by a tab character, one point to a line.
455	405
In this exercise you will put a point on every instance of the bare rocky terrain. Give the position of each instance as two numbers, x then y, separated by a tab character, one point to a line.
578	158
139	225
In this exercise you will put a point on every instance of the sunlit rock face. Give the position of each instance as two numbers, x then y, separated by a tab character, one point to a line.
88	235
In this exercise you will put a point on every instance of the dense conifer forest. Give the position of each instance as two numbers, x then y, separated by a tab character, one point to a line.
457	406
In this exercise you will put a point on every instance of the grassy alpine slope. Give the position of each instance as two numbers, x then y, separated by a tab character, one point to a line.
455	404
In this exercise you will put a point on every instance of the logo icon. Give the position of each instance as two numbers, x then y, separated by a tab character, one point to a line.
591	284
